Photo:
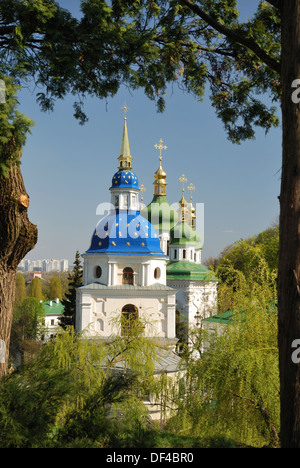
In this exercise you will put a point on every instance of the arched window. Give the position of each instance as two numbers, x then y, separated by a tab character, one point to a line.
98	271
127	276
128	318
157	273
100	325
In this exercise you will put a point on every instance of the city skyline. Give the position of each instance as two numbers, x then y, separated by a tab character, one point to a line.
44	265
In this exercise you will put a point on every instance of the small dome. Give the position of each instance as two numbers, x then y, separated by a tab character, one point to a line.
160	213
125	179
125	234
183	234
160	173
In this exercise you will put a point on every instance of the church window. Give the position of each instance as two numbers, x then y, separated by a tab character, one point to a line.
127	276
184	253
128	318
100	325
157	273
98	272
175	254
116	200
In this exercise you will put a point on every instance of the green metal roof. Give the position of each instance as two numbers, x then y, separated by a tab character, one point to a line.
184	234
230	317
189	271
225	318
54	309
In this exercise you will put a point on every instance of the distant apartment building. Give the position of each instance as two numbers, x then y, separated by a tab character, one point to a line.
48	266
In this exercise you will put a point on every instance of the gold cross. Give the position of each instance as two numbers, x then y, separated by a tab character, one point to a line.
125	109
160	147
183	179
191	187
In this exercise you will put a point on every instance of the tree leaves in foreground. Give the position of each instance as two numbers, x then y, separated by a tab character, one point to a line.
72	394
148	45
69	302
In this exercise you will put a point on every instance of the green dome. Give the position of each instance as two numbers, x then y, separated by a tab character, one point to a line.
189	271
184	234
160	214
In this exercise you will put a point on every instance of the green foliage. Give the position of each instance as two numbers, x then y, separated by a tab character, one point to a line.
233	389
28	317
268	241
74	395
14	127
55	288
20	289
249	257
27	328
148	44
35	289
69	302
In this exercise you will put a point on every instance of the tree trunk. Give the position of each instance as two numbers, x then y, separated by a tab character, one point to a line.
17	237
289	252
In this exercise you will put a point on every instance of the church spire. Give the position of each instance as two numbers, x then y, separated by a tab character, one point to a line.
160	175
182	202
125	158
191	187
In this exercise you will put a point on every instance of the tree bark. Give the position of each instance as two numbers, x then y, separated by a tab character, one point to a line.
17	237
289	251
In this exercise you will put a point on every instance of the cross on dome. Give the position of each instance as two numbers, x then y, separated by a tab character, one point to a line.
160	175
191	187
160	147
183	179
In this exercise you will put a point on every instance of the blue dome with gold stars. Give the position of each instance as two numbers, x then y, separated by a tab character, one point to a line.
125	234
125	179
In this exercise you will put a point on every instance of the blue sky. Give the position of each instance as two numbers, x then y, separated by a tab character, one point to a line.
68	168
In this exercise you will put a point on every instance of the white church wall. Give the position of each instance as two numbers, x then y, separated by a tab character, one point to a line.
100	316
91	274
195	300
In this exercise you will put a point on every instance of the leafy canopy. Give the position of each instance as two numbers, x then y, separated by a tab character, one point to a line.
148	44
142	44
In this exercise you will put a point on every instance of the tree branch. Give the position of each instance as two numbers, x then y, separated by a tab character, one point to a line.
161	40
234	36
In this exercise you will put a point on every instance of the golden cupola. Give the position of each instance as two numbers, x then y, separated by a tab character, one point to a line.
191	187
183	211
160	175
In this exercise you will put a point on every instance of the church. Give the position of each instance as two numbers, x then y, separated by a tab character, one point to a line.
144	263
